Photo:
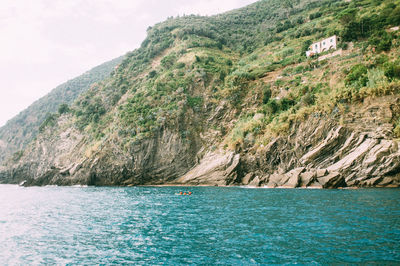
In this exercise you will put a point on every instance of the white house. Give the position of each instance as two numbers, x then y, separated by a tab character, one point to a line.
322	46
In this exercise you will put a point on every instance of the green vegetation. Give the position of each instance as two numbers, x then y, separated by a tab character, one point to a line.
49	121
250	61
392	70
63	108
24	127
357	77
230	53
396	130
17	156
367	19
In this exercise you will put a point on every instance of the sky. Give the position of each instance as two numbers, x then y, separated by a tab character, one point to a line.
44	43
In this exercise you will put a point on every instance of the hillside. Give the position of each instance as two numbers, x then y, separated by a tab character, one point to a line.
23	128
232	99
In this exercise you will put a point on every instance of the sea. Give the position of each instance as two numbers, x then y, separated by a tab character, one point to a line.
214	225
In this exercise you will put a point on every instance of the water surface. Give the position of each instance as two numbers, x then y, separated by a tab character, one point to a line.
145	225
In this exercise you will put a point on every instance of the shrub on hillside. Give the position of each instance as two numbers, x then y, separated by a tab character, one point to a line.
49	121
315	15
392	70
357	76
305	46
308	99
168	61
381	40
180	65
376	77
63	108
266	95
271	107
152	74
195	102
396	129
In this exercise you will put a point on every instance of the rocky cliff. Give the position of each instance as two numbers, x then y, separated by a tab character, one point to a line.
67	160
234	105
319	153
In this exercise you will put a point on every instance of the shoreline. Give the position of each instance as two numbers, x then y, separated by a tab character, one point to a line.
215	186
261	187
202	185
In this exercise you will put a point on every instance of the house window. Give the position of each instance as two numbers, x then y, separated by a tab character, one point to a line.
323	43
331	40
316	46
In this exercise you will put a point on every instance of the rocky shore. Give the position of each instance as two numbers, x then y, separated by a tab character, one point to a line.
317	153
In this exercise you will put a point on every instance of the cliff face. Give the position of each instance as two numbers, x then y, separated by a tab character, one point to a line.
319	153
195	106
68	159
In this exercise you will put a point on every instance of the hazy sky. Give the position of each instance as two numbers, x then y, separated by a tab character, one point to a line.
44	43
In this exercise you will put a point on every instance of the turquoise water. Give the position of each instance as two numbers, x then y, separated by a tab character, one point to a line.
68	225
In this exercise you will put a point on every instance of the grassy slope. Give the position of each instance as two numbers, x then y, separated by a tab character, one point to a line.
253	60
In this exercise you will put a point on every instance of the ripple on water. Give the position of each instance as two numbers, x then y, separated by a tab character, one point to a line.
152	225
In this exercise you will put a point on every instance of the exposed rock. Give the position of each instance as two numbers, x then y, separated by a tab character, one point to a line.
258	116
321	172
3	145
68	159
332	180
263	179
307	178
316	153
274	180
330	142
292	178
212	170
233	165
246	180
356	154
255	182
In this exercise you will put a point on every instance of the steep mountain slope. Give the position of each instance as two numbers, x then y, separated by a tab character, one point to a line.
232	99
23	128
